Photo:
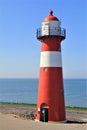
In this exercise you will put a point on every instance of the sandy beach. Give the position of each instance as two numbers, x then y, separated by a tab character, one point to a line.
17	118
8	122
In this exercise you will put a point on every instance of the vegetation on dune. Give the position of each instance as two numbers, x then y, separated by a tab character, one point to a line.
76	108
18	104
34	105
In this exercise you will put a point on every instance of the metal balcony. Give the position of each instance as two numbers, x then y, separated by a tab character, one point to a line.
51	31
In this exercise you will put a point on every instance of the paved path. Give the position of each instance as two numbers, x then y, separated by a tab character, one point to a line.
8	122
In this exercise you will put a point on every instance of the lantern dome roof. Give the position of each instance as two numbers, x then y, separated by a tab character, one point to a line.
51	17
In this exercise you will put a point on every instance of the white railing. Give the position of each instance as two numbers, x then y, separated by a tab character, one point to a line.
51	31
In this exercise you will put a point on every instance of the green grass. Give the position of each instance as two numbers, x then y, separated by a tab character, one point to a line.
18	104
34	105
76	108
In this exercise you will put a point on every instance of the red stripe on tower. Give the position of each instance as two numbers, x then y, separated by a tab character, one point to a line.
50	106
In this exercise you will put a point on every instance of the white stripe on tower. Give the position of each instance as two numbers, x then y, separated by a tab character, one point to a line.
50	59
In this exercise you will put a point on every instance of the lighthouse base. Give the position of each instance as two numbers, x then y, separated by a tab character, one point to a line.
65	121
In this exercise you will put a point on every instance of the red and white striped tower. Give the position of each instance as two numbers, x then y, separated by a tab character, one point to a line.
50	106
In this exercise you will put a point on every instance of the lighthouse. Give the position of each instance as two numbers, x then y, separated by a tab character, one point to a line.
50	104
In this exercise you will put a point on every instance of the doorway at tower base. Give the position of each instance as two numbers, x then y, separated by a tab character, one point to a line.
45	114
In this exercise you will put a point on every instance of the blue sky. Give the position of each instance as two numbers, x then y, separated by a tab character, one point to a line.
19	48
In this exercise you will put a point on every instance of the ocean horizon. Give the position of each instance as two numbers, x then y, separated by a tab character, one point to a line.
25	90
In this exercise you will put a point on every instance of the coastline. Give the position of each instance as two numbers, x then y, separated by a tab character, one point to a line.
28	112
34	105
17	116
9	122
19	91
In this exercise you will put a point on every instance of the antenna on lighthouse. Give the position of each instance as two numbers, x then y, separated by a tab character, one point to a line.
51	12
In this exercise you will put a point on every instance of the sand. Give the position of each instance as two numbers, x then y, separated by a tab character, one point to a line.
28	112
9	122
21	118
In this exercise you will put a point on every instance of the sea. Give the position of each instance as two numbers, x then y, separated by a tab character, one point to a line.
26	90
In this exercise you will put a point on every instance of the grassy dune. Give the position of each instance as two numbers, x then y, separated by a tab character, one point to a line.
34	105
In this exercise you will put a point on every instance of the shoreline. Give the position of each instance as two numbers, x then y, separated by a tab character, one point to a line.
9	122
34	105
28	112
22	117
